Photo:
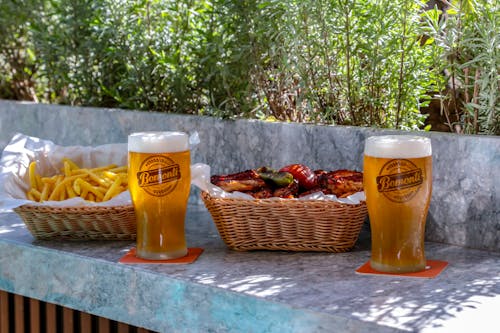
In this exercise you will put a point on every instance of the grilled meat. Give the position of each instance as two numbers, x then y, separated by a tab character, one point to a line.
289	191
263	193
342	183
264	183
244	181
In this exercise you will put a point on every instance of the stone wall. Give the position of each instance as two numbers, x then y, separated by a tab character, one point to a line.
466	178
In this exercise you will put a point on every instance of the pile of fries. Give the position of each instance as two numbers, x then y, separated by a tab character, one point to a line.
92	184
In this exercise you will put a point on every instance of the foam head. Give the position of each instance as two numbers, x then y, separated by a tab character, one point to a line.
158	142
398	146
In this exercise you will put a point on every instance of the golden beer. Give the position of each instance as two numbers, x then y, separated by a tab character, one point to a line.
159	183
397	177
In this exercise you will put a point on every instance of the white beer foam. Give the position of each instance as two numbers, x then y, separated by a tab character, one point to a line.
158	142
398	146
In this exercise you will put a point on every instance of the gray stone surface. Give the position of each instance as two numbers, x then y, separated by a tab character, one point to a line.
259	291
465	206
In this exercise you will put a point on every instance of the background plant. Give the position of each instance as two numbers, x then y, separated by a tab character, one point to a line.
465	40
348	62
355	64
17	58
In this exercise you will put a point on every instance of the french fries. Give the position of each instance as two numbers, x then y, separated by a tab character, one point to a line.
92	184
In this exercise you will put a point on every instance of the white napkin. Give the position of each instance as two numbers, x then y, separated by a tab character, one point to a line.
23	149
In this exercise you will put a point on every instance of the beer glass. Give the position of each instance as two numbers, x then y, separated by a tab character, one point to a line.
397	177
159	183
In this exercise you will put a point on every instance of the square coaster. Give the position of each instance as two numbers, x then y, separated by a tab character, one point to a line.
432	269
190	257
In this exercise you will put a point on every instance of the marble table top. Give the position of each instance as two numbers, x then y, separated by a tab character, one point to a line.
258	291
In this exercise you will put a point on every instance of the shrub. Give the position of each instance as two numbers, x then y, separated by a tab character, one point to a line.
17	58
345	62
466	43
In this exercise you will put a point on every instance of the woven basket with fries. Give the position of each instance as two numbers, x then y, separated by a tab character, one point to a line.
68	192
79	223
291	225
96	184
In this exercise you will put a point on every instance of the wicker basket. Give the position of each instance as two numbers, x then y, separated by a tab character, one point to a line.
291	225
79	223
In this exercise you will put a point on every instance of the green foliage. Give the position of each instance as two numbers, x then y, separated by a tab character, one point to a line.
17	57
348	62
466	47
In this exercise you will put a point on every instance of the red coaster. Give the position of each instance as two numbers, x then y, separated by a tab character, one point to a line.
432	269
190	257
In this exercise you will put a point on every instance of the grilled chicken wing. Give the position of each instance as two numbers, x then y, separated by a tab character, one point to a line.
244	181
289	191
342	183
263	193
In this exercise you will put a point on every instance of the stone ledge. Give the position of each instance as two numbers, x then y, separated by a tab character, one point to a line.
259	291
464	209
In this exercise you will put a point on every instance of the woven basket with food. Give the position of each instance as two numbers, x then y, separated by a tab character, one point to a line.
72	192
293	208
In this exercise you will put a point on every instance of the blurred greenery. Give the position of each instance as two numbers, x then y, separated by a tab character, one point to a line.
371	63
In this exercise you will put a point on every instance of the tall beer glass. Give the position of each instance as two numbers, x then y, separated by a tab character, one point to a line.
397	176
159	183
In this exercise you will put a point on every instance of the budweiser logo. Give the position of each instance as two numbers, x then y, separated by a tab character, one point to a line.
159	176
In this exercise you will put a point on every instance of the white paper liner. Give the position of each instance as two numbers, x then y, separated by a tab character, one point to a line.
23	149
200	177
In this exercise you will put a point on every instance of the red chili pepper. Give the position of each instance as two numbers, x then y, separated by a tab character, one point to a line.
303	174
